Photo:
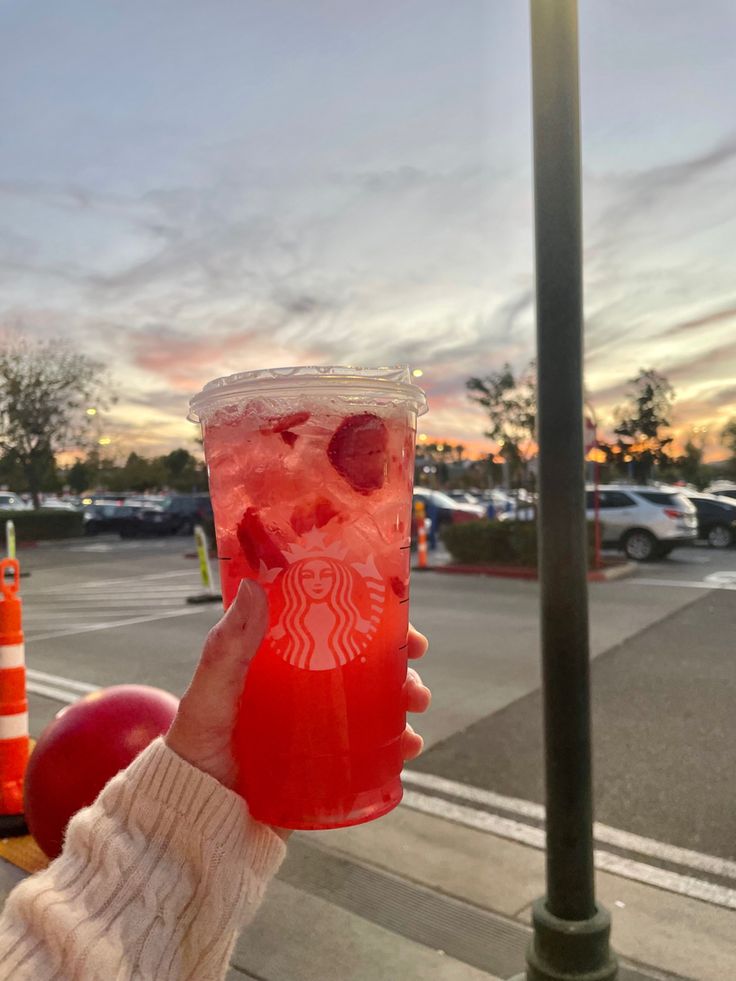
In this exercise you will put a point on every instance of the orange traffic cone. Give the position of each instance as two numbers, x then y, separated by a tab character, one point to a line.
14	744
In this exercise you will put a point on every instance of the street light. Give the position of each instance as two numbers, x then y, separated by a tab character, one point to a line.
571	932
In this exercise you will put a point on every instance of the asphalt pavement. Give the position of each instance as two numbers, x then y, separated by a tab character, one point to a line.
663	715
664	680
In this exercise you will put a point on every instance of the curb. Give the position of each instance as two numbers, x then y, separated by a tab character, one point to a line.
501	571
619	571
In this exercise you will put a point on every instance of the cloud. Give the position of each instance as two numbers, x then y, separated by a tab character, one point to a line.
705	320
402	264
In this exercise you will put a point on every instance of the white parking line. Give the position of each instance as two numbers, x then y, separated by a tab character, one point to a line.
55	679
71	595
108	602
682	583
50	691
128	622
603	833
114	589
683	885
115	582
57	688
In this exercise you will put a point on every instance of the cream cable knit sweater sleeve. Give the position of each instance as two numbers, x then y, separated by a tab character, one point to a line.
155	881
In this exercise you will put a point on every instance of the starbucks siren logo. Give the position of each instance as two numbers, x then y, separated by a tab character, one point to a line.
331	608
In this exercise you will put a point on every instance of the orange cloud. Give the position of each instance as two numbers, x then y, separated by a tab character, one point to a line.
185	363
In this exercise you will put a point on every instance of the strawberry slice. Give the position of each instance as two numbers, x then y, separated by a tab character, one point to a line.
357	451
290	422
284	424
257	543
312	514
398	586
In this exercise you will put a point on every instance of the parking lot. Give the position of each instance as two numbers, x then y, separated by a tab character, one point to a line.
104	612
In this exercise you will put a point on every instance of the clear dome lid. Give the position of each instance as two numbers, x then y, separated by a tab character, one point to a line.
383	386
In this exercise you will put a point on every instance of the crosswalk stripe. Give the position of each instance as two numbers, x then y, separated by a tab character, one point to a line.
127	601
56	679
684	885
604	834
124	579
63	610
49	691
111	597
130	621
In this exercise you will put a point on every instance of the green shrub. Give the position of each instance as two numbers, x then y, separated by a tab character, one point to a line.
497	543
37	526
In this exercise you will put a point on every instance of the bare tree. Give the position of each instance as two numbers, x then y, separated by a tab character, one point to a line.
46	390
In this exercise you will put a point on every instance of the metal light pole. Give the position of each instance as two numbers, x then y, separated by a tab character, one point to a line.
571	932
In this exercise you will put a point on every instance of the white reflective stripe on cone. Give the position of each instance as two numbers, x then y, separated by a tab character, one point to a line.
12	655
14	726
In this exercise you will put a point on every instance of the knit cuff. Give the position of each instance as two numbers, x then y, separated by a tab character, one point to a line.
218	815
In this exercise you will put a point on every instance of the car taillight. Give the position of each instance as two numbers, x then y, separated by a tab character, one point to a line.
673	513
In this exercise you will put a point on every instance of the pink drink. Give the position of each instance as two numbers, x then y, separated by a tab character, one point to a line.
311	473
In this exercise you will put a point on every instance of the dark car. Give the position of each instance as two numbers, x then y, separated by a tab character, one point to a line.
177	514
716	519
106	516
146	519
187	510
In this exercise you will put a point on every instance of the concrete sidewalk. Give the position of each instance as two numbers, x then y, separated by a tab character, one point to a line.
299	935
657	933
421	898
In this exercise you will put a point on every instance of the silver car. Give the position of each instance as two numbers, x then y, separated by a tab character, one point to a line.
646	522
10	501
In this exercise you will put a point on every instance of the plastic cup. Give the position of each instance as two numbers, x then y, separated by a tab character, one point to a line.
311	473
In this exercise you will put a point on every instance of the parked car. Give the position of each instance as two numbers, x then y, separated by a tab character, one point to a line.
442	510
463	497
103	499
59	504
187	510
722	488
146	519
107	516
176	514
646	522
10	501
716	519
497	502
522	512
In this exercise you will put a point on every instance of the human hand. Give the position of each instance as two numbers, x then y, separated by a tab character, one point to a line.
202	731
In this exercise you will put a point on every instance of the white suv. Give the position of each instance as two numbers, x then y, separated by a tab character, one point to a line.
646	522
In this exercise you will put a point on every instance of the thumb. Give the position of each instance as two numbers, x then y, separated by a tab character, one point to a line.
231	645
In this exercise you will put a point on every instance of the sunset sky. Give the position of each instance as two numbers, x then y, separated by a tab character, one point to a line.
190	189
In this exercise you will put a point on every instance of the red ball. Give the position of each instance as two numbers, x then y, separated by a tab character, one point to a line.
85	745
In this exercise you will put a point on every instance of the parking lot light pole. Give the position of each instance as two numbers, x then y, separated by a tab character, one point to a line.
571	932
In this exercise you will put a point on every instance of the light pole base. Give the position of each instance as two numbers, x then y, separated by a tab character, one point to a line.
569	950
